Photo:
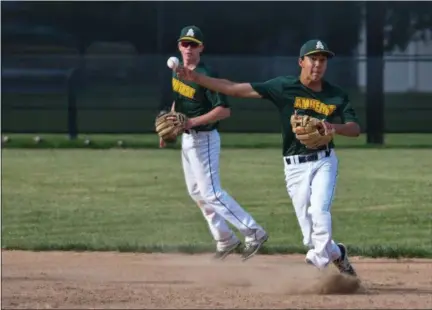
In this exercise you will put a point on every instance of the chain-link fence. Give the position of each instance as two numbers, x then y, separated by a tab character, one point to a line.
122	93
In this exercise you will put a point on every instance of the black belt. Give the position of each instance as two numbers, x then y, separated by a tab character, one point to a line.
307	158
188	132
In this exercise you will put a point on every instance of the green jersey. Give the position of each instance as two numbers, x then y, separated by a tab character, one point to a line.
194	100
290	95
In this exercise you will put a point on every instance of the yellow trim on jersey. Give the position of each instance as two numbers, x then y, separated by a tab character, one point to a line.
183	89
314	105
190	39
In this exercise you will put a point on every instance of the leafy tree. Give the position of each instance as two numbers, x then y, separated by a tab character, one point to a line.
404	20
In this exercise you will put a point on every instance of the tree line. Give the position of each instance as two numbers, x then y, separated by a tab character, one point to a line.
242	28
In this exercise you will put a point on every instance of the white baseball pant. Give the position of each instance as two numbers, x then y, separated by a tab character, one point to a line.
200	159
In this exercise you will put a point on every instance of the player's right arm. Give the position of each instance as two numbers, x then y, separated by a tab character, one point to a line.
229	88
223	86
271	89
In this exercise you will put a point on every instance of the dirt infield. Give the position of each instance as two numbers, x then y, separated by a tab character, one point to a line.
117	280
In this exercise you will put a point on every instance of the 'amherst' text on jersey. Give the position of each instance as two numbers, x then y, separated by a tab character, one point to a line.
194	100
314	105
290	96
183	89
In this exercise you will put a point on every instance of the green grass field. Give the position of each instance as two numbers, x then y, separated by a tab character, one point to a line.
136	200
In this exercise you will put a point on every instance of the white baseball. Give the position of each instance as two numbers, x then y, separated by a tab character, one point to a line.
173	62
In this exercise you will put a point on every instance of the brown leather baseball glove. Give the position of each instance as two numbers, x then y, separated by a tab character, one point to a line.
169	125
311	132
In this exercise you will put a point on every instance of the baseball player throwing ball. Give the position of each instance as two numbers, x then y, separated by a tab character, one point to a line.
195	113
308	106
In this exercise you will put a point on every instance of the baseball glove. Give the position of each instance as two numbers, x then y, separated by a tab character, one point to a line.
168	125
310	131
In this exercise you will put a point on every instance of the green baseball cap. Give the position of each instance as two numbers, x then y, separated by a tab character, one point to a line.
191	33
315	47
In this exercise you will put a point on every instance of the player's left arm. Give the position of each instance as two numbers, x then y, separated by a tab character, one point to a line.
350	126
217	114
349	129
220	110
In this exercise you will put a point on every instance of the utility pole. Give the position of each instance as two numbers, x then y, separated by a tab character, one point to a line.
375	121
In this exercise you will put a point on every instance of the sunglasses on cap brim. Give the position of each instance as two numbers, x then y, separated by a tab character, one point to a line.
189	43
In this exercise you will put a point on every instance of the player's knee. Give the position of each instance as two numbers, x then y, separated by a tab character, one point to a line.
194	193
213	197
196	197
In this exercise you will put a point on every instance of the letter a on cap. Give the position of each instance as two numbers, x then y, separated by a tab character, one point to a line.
319	45
190	33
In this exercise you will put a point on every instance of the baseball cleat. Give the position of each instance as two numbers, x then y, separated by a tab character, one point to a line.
251	248
342	263
221	254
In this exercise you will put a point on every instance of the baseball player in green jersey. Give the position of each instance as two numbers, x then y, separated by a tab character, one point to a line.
310	174
201	150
